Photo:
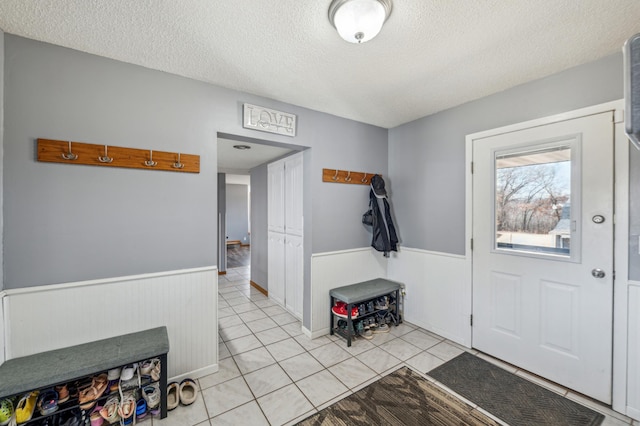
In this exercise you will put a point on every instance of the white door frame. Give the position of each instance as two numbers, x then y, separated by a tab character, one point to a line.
621	232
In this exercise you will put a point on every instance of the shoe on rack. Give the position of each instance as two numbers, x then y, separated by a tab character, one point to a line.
381	328
156	368
382	303
127	408
151	394
26	406
63	393
87	397
95	417
48	402
340	309
110	410
114	374
367	333
188	392
6	411
141	408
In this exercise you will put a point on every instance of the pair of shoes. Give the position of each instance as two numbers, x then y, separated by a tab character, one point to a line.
6	411
48	402
151	394
151	368
26	406
87	396
184	393
110	410
340	309
127	408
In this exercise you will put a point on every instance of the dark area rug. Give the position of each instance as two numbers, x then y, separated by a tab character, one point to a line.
510	398
401	398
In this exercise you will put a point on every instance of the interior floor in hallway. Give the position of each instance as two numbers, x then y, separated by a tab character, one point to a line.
270	373
238	256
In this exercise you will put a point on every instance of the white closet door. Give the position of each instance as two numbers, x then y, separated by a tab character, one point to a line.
276	196
276	267
293	219
294	282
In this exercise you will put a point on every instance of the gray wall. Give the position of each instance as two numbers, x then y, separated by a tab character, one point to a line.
222	222
1	155
259	226
238	213
427	156
66	223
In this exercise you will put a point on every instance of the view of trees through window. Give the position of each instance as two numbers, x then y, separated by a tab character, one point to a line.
533	200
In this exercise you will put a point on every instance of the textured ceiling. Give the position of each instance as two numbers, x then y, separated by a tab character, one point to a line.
231	160
431	54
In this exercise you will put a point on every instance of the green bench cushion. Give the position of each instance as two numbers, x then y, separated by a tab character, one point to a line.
23	374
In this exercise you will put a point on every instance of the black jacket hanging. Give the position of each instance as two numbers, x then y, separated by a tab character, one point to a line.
384	237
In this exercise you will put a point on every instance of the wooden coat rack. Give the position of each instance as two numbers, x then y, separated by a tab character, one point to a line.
54	151
346	176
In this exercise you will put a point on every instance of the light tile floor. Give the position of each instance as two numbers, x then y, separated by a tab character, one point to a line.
270	373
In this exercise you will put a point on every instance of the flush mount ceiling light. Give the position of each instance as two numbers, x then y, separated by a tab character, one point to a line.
358	21
242	147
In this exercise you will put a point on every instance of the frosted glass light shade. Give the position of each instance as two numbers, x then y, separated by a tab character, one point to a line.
358	21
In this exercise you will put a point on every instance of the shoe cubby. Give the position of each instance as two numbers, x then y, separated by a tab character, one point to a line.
365	309
116	381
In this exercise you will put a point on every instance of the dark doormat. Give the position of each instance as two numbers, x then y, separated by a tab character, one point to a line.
401	398
512	399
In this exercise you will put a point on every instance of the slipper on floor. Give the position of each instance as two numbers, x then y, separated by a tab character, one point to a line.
173	395
188	392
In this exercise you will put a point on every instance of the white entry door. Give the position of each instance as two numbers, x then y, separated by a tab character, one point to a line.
543	251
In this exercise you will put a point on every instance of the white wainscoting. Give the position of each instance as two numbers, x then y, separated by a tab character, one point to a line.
335	269
633	352
49	317
438	297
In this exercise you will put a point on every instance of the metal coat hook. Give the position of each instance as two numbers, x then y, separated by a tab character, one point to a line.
336	176
364	179
150	162
69	155
105	158
178	165
348	178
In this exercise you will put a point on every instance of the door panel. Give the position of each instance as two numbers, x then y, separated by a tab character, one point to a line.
536	303
276	267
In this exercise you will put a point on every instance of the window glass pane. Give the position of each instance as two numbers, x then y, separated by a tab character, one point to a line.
533	201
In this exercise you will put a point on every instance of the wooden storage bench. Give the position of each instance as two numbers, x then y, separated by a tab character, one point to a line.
47	369
361	292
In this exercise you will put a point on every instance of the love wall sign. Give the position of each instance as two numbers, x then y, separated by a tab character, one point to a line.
269	120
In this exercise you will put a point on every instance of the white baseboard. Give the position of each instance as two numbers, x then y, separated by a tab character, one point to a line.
195	374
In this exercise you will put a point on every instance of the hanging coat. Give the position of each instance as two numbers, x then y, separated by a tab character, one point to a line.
384	237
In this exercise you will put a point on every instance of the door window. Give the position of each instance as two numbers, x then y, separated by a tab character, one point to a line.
533	201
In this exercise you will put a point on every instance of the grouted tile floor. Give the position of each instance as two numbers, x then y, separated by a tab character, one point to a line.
270	373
